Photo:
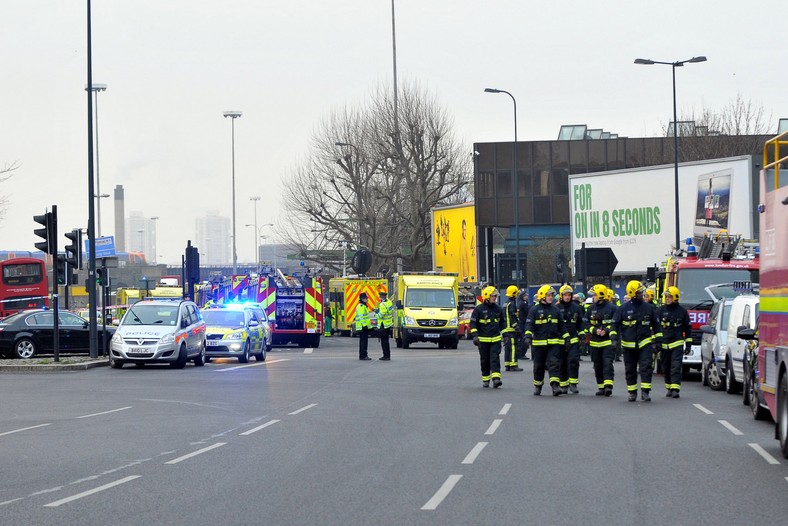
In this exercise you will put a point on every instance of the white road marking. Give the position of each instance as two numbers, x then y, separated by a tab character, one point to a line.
493	426
505	409
765	454
477	449
195	453
310	406
703	409
258	428
308	350
442	492
10	501
45	491
91	491
730	427
105	412
23	429
267	362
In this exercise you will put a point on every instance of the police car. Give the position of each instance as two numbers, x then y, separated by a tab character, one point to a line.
237	331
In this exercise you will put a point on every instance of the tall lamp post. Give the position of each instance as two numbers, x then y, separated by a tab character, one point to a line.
258	236
516	189
94	89
674	65
233	115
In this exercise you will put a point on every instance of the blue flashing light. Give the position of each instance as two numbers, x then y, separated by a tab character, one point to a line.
689	242
691	249
757	251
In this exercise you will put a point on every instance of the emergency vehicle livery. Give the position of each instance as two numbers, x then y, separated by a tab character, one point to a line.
343	294
293	305
426	309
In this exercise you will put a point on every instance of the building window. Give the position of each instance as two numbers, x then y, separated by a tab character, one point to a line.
504	184
486	186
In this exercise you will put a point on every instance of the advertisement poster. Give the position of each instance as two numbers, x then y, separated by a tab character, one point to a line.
454	241
713	203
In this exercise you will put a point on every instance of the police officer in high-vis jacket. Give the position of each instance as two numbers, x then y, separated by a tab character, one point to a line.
363	326
637	326
512	333
674	339
545	330
570	360
486	324
385	317
598	322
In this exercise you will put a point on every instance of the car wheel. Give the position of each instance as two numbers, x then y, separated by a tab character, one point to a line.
704	375
199	361
244	358
398	342
746	385
261	355
731	385
758	411
716	382
25	349
405	343
782	414
114	362
207	359
180	363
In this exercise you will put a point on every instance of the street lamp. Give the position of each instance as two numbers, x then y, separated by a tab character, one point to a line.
233	115
95	88
258	236
515	193
674	65
255	199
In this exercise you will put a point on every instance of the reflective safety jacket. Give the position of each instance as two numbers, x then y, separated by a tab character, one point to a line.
385	314
600	316
545	325
675	328
636	323
487	322
362	317
510	317
573	318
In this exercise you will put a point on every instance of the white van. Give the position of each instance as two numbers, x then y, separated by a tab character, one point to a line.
743	314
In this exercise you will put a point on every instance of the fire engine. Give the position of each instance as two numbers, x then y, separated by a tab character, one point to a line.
343	296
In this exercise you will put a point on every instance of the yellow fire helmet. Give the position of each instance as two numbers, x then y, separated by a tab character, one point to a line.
609	295
488	292
650	294
543	291
633	287
566	288
672	291
600	292
511	291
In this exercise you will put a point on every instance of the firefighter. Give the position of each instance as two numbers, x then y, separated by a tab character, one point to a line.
545	331
573	319
487	323
636	323
512	333
674	339
385	317
363	326
601	335
612	299
522	315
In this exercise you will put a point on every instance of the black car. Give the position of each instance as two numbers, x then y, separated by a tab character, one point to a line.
31	332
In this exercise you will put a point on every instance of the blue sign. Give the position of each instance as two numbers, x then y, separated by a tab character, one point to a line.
105	247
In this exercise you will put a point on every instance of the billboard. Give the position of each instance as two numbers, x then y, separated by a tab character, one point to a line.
633	211
454	241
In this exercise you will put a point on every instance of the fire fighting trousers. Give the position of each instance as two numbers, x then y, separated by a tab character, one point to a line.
489	355
603	365
522	348
638	361
385	334
546	356
510	348
363	341
570	365
672	361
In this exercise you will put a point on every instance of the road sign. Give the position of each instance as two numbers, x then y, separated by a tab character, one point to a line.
599	261
105	246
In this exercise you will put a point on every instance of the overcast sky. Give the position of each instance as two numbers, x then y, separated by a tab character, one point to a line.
173	66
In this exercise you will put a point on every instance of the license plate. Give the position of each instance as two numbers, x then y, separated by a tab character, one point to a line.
432	335
145	352
214	343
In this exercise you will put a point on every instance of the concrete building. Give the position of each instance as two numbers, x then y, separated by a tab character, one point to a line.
141	235
213	239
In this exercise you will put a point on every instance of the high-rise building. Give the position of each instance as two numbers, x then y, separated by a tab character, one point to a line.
141	235
120	220
213	239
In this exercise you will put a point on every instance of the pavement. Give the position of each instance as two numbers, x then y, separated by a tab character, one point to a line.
47	364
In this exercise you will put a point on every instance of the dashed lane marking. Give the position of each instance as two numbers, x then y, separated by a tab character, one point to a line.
765	454
310	406
105	412
91	491
195	453
258	364
258	428
493	427
727	425
23	429
442	493
308	350
10	501
474	453
505	409
703	409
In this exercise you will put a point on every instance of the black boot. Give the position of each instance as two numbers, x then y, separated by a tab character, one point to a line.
515	368
537	390
573	388
557	391
608	390
600	392
645	395
508	368
497	383
485	383
677	395
633	396
669	394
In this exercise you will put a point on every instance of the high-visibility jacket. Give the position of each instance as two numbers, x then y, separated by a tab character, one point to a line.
510	317
675	329
600	316
636	323
385	314
487	322
362	317
545	325
573	318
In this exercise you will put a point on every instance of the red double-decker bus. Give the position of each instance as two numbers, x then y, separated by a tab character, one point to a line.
23	285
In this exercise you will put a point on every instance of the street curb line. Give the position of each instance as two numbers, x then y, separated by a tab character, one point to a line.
53	368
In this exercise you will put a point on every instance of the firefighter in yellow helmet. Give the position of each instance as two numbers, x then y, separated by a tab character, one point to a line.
512	333
546	331
487	323
674	339
598	323
637	325
570	358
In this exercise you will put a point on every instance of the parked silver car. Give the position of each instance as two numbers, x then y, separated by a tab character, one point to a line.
714	345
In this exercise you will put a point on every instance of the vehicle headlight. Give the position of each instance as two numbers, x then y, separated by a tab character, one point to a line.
167	338
238	335
453	321
409	320
117	338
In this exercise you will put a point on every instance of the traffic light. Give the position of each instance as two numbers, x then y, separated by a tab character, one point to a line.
61	269
101	277
48	221
73	250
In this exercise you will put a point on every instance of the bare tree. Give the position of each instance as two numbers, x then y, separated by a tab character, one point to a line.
370	181
5	175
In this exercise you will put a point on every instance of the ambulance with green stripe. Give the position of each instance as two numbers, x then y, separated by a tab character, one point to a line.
426	305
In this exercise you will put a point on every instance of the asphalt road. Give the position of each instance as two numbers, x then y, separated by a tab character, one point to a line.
322	438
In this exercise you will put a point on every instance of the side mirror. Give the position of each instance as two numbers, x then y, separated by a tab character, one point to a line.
254	323
116	322
707	329
745	333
